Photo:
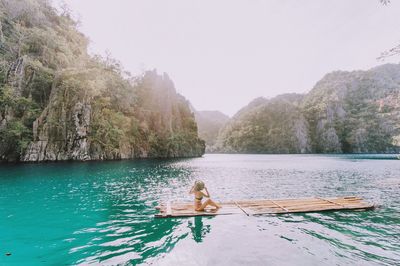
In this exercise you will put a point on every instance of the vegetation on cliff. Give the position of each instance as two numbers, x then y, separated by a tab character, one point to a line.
59	103
349	112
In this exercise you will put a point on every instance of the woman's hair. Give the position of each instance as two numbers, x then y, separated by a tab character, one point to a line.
198	185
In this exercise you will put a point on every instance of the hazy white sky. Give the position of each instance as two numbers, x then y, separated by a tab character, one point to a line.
221	54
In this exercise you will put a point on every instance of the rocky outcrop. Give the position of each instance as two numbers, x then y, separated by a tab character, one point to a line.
74	145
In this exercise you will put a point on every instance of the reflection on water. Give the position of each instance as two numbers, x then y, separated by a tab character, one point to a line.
199	230
102	212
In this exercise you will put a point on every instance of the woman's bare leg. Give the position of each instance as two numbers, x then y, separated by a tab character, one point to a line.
197	206
217	205
208	202
214	204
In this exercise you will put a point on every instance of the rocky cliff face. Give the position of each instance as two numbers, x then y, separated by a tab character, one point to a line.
157	123
355	111
346	112
58	103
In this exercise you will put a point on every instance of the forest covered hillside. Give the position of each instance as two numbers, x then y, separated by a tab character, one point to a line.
59	103
345	112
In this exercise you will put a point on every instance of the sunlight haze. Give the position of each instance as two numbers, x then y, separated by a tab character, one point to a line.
223	54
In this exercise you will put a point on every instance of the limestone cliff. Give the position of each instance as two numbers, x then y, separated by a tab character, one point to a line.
355	112
156	122
59	103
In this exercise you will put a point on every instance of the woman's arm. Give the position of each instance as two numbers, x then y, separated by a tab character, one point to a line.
207	194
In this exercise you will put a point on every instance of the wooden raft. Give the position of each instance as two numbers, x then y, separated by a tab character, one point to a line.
266	206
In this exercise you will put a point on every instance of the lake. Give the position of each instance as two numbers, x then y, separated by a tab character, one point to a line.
102	212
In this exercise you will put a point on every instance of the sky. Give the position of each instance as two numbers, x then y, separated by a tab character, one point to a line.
221	54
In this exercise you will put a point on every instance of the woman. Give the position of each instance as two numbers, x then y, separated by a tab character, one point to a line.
197	190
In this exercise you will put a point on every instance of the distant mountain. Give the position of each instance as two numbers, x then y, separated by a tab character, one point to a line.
346	112
267	126
209	123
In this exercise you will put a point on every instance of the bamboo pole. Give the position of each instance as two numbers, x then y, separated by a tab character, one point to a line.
241	208
283	208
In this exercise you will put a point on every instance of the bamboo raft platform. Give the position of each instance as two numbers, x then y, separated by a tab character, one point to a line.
266	206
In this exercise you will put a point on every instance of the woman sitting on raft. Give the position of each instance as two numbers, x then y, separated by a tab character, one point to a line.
198	192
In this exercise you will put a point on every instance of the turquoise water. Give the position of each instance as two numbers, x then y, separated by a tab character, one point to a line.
102	212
